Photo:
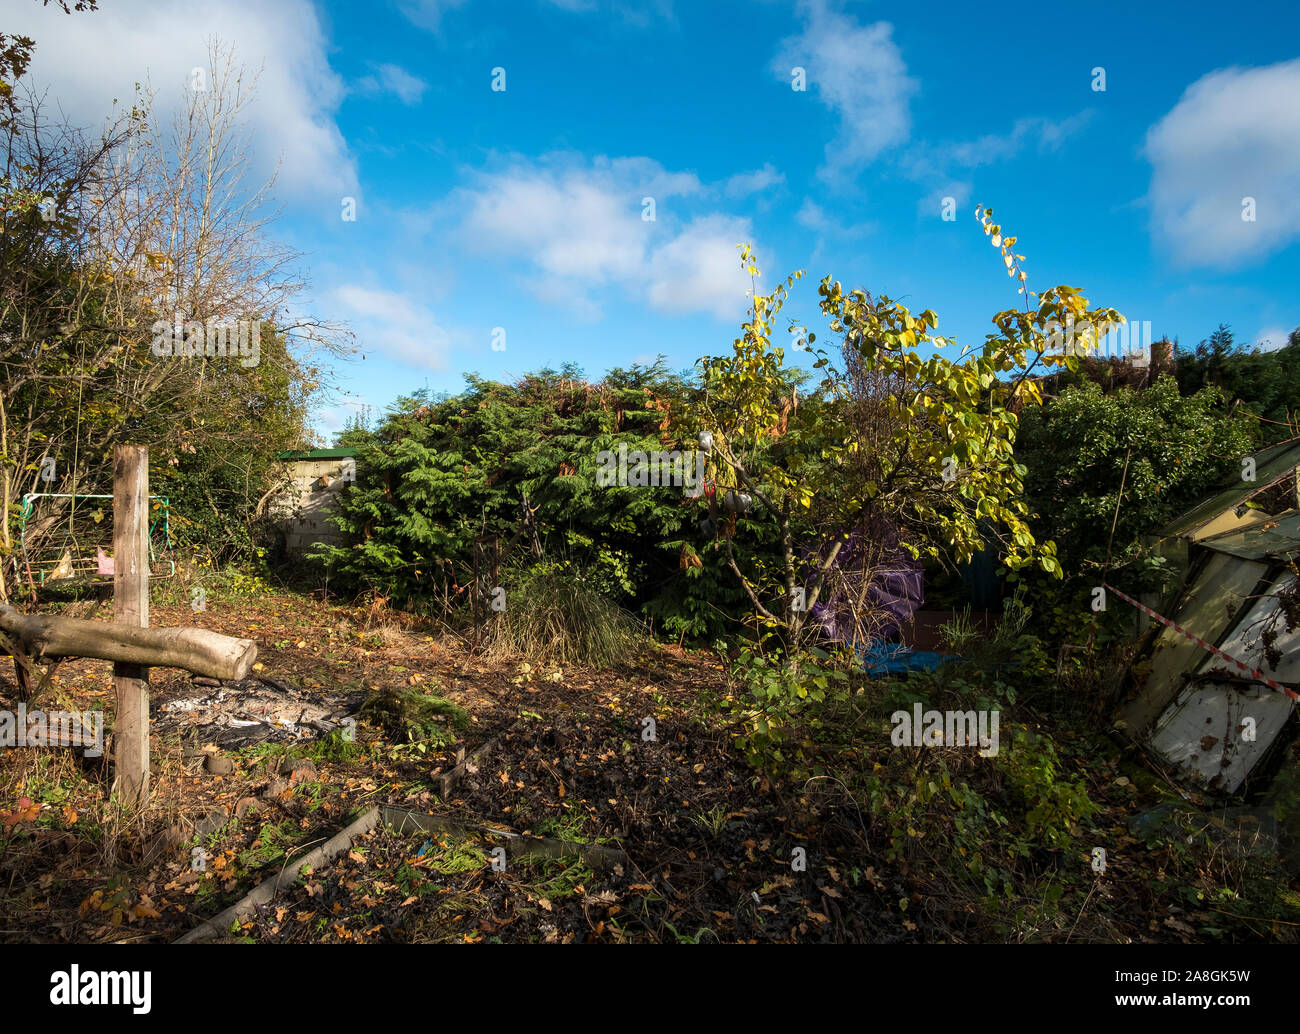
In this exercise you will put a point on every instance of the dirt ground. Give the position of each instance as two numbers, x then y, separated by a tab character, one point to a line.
666	833
628	760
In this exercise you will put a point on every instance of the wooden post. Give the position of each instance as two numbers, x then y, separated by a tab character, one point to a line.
131	607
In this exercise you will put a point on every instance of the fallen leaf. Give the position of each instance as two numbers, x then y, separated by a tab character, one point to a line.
25	812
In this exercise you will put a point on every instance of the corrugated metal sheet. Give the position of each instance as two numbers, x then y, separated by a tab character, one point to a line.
1204	733
1209	606
1194	708
1271	465
1246	640
1218	729
1277	537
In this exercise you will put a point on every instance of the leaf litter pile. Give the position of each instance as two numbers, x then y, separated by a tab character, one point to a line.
702	860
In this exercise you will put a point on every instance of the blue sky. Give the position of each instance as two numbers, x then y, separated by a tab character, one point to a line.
523	209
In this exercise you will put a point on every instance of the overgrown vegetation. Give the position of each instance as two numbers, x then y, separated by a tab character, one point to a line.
554	616
412	716
515	598
107	243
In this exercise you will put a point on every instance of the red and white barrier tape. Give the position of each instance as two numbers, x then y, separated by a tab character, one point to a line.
1254	673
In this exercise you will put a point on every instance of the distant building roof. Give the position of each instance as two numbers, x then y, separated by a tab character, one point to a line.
316	454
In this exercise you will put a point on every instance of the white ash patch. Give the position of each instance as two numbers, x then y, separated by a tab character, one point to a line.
253	710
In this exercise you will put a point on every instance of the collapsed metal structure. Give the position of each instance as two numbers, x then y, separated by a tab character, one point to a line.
1204	703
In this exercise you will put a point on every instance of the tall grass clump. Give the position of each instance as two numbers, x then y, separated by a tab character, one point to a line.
554	616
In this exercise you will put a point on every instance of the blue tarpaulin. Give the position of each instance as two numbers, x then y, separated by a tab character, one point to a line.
895	659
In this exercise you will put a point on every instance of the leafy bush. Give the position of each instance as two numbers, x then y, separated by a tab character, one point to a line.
1053	805
780	698
443	471
1150	455
1267	382
1166	449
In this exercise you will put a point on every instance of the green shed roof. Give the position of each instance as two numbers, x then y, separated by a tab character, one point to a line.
1271	465
1278	538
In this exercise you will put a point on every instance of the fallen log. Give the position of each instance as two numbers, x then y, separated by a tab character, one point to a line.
194	649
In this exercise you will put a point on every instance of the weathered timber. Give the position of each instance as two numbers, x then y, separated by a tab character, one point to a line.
131	611
193	649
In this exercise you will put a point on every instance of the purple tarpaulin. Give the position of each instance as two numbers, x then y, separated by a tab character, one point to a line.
895	592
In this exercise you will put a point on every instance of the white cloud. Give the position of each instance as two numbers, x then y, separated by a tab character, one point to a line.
939	169
699	269
859	74
427	14
573	296
87	59
571	226
1234	134
745	183
395	80
635	12
812	216
1270	339
578	229
1044	133
931	206
391	323
332	419
1052	134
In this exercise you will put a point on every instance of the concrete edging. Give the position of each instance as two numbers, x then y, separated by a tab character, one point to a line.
400	820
